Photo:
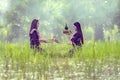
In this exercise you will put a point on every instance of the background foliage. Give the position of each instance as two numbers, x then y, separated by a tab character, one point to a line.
16	17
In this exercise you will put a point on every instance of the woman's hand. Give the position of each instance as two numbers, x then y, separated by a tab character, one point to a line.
54	40
70	43
68	32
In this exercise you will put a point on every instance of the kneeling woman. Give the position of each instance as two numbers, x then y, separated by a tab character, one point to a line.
76	39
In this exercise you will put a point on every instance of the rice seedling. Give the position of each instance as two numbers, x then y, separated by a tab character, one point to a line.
94	61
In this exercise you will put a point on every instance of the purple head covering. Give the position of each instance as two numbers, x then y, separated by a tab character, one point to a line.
78	26
79	30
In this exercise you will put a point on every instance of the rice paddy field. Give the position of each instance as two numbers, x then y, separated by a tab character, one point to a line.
94	61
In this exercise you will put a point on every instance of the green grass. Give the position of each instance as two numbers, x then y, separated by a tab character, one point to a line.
94	61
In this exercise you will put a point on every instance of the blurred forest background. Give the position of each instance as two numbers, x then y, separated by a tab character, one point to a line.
100	19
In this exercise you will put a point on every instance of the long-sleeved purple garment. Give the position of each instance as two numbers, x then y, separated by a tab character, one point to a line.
77	39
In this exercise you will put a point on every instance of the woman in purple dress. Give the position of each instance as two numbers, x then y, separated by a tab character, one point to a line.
34	35
76	39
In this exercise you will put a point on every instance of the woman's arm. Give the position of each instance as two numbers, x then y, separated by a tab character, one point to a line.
43	40
48	41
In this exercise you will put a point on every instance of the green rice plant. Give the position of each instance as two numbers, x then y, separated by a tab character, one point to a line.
94	60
